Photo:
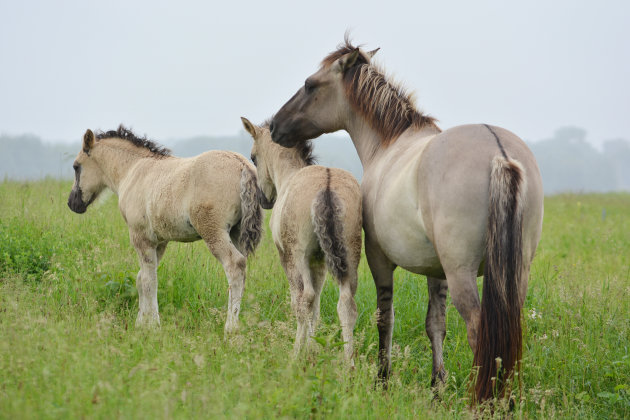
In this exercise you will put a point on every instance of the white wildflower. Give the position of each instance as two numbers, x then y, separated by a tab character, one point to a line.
533	314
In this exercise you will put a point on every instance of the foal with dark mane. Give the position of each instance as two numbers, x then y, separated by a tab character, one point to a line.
450	205
213	196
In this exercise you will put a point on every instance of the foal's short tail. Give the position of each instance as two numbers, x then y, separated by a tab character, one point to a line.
326	212
499	338
251	213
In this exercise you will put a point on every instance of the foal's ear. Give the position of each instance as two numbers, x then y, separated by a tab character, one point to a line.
88	141
251	128
348	60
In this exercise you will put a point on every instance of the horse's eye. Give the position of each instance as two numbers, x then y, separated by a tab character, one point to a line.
309	86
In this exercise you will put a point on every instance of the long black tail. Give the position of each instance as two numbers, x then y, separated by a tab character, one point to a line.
499	340
251	213
326	212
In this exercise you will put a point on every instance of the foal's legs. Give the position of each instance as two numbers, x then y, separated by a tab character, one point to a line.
318	276
146	282
161	248
383	273
305	298
347	311
208	224
235	267
436	325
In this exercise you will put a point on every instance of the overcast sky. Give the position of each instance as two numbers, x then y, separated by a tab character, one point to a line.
174	69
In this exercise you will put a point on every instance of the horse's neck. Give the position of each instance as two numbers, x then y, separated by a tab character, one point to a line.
367	141
115	162
282	171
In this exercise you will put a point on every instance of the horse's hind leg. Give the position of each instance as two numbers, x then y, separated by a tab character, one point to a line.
436	326
146	282
306	295
235	267
318	276
462	285
347	311
207	224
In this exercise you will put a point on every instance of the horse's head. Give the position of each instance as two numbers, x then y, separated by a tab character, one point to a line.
89	180
320	105
261	156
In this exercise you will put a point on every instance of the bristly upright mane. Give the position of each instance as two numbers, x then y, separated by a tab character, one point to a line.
388	107
126	134
304	149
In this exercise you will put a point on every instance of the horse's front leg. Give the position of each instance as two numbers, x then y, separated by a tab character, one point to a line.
146	282
383	273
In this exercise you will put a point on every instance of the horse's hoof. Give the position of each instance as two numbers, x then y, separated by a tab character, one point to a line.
148	322
230	329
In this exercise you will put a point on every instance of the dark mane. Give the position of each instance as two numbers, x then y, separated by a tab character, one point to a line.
342	49
304	149
126	134
388	107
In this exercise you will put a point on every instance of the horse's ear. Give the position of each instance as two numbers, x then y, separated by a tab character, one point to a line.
372	53
88	141
348	60
251	128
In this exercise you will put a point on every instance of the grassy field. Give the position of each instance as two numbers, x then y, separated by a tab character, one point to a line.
68	346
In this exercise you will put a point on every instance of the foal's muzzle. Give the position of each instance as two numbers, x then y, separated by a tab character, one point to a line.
264	202
76	203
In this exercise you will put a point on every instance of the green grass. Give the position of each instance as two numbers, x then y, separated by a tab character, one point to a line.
69	348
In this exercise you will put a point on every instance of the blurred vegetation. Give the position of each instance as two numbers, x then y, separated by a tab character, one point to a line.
69	348
568	162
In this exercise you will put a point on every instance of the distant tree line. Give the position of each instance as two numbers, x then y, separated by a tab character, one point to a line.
568	162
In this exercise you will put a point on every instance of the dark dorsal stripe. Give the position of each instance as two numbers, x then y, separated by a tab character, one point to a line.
498	141
327	179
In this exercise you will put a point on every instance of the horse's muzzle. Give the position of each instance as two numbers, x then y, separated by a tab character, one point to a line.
281	139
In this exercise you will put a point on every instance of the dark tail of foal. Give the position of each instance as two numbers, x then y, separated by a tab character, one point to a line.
251	213
499	339
326	213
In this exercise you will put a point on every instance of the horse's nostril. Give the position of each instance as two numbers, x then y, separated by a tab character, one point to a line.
271	126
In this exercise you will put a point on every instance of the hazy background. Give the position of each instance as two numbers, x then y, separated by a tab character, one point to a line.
554	72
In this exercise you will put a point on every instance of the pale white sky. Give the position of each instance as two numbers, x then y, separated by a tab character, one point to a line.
174	69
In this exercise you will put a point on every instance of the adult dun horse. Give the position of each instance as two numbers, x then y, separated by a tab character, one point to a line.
450	205
212	196
315	224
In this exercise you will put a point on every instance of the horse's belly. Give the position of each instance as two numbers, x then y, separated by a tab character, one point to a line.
406	244
399	225
174	227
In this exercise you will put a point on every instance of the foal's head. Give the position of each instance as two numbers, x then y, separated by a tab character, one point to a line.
270	157
89	180
320	105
